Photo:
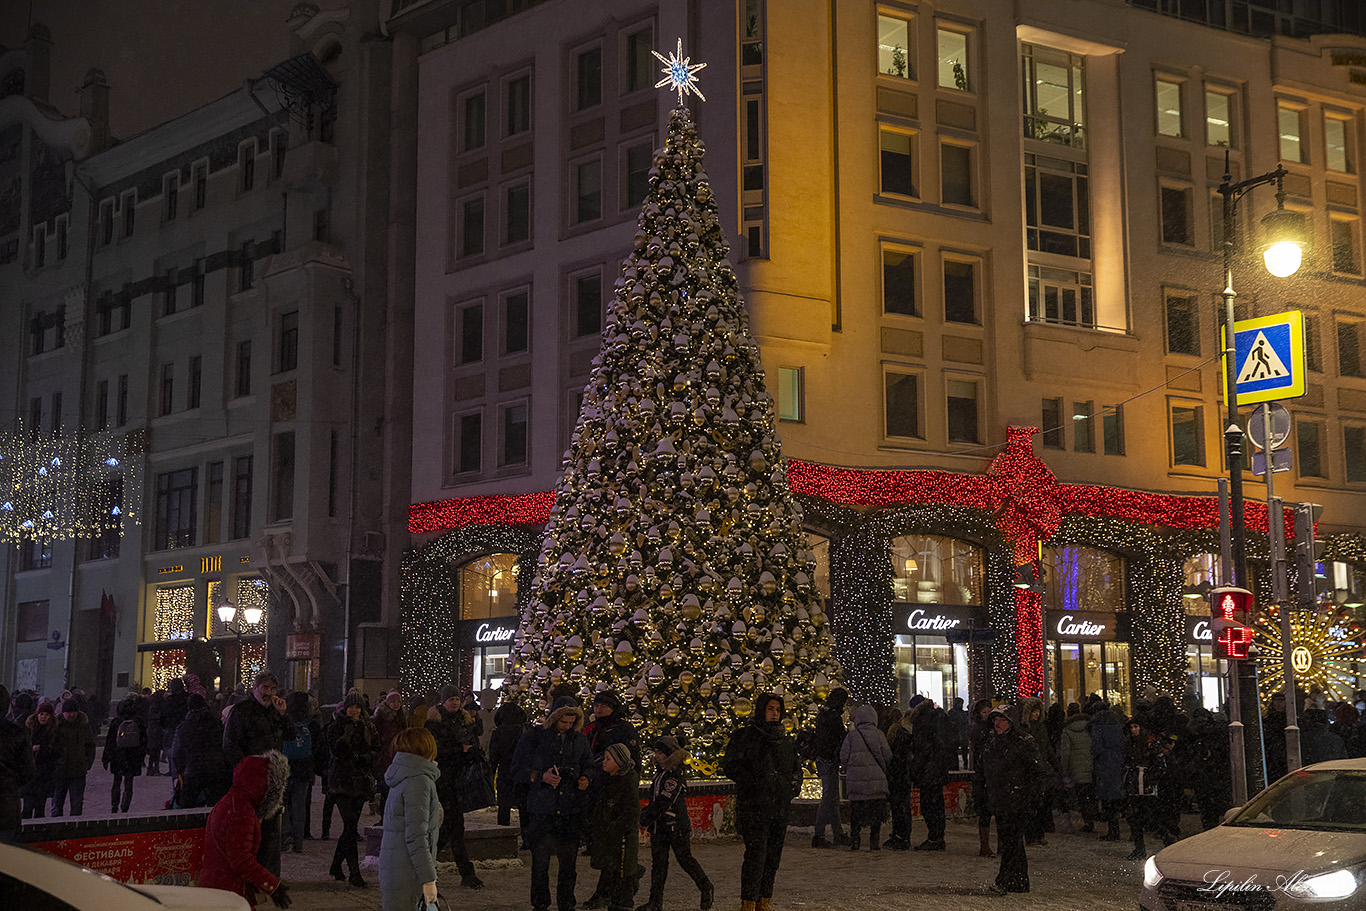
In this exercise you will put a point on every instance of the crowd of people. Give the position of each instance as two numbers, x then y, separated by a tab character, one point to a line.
573	778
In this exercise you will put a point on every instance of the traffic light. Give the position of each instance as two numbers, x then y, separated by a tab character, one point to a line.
1308	552
1230	614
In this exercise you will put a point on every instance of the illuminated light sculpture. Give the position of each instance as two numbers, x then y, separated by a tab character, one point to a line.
1324	651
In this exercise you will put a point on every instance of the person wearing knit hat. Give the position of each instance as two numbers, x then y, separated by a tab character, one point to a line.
609	726
666	819
74	743
457	733
42	725
613	823
553	761
762	760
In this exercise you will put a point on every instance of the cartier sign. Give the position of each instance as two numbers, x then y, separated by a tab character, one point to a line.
933	619
493	631
1198	630
1085	626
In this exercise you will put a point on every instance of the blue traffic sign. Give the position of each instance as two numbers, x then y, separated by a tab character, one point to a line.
1268	354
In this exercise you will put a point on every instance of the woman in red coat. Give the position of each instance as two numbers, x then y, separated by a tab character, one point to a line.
232	834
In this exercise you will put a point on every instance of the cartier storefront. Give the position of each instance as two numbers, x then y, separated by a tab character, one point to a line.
1088	652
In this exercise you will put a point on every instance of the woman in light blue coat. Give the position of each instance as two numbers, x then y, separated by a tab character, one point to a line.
865	757
412	822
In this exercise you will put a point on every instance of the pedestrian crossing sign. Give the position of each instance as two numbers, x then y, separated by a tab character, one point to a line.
1268	354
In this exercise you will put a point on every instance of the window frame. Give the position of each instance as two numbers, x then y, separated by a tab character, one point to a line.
246	166
1351	476
1052	433
463	137
458	431
629	75
969	34
463	220
915	255
908	20
504	409
504	296
1084	426
287	341
575	303
785	411
1319	425
1179	83
1197	410
461	337
978	408
506	239
913	158
1337	221
973	183
1346	121
626	147
1340	324
1230	96
1284	107
575	83
526	122
975	265
1170	294
1187	195
576	198
917	375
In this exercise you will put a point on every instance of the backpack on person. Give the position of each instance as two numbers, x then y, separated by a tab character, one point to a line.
301	747
807	745
129	736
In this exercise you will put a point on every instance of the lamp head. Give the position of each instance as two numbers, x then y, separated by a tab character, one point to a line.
227	611
1283	248
252	615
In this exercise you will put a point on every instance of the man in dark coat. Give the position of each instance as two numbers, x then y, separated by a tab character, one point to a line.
257	726
197	755
125	746
1203	760
762	760
979	733
75	745
609	726
16	769
509	722
352	743
554	761
1014	781
1107	766
830	733
933	750
457	735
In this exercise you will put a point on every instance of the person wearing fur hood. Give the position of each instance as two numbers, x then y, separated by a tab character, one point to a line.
553	760
666	819
232	833
42	727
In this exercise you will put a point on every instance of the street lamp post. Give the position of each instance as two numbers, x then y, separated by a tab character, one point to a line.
1282	253
227	612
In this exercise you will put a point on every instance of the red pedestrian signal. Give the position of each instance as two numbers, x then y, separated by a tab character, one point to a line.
1230	613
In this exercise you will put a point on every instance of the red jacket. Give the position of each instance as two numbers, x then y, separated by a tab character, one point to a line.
232	834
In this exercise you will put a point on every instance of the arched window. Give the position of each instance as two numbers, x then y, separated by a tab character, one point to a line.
1199	573
1084	578
933	569
820	546
488	587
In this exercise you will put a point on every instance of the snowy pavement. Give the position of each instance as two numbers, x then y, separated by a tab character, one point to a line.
1071	871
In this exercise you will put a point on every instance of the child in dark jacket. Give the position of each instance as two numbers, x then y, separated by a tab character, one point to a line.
666	819
614	828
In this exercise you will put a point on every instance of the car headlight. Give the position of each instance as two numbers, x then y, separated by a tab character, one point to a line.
1151	875
1338	884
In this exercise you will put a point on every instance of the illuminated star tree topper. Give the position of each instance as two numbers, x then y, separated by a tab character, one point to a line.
679	73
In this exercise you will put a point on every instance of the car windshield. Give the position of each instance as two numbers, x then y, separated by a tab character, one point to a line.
1330	800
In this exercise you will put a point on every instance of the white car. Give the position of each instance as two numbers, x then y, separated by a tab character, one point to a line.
1300	844
35	881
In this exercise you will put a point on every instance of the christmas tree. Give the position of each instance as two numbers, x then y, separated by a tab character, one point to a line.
674	568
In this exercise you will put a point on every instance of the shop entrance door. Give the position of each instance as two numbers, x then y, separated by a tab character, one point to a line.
1078	669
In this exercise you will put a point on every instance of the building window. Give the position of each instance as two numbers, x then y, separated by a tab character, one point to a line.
1083	427
587	191
488	587
1309	448
956	168
35	555
1219	129
213	503
196	381
106	222
472	226
516	322
639	159
197	284
960	292
963	411
1176	216
1057	206
241	497
282	477
1168	96
898	283
288	355
128	205
1291	123
201	186
1084	578
167	388
954	65
176	520
588	79
587	299
121	404
102	405
791	395
518	97
1050	418
1054	97
246	165
902	404
171	192
246	276
1061	296
1337	145
63	237
471	329
1343	234
640	65
894	47
897	162
933	569
1183	324
473	117
1354	451
514	443
32	621
517	213
469	444
1188	436
244	367
1349	348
